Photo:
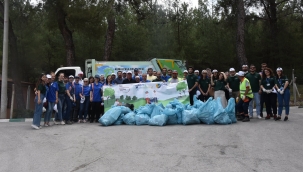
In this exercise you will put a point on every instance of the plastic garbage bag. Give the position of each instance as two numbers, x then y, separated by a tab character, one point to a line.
125	109
188	107
220	116
197	102
142	119
161	105
110	116
171	114
119	121
176	103
129	118
179	113
156	111
190	117
206	112
147	109
158	120
230	110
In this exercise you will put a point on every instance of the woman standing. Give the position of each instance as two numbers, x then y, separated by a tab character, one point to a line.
269	92
109	80
84	102
61	96
91	80
204	86
282	85
41	90
95	98
219	87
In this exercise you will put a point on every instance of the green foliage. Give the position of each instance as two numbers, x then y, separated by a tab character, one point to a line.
181	86
121	97
127	98
134	98
109	92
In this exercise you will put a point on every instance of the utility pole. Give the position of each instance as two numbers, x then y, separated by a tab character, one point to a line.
4	61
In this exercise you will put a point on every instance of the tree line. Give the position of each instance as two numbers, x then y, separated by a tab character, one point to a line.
219	35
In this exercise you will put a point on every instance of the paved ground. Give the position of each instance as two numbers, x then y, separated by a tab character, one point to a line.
255	146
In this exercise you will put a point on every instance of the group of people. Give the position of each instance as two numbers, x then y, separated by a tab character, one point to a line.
246	87
77	98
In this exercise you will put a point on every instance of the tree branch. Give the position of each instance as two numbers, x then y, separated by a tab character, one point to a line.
266	9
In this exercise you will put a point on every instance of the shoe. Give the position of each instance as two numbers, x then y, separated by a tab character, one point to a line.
246	119
45	125
259	116
267	117
278	118
275	117
271	115
56	122
84	121
69	123
35	127
79	121
62	123
286	118
251	117
40	127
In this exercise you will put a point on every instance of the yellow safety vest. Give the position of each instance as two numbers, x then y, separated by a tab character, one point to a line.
243	89
179	79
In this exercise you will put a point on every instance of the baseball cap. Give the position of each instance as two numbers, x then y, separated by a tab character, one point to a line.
279	69
196	71
174	71
80	73
136	70
232	69
85	79
113	74
48	76
185	71
97	76
215	70
244	66
129	72
204	71
124	72
137	77
71	76
240	73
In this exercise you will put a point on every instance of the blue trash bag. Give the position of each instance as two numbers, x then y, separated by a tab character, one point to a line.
171	114
175	103
146	109
190	117
230	110
110	116
157	111
142	119
220	116
119	120
158	120
188	107
206	112
125	109
197	102
179	113
129	118
161	105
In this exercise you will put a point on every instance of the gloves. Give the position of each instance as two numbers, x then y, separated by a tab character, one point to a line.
264	90
282	92
268	91
71	98
230	90
243	97
279	90
102	104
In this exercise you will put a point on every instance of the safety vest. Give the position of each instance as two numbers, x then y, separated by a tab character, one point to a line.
179	79
243	89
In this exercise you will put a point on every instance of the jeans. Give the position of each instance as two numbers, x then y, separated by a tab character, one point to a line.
38	110
84	108
256	99
48	114
96	111
60	107
243	106
284	98
69	108
270	103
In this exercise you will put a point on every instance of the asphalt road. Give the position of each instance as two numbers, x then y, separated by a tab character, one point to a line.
258	145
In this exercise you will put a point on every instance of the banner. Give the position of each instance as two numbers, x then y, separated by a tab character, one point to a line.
140	94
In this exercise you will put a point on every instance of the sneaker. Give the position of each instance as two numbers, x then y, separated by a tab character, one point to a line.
250	117
35	127
40	127
69	123
79	121
45	125
267	117
62	123
246	119
286	118
275	117
278	118
84	121
259	117
56	122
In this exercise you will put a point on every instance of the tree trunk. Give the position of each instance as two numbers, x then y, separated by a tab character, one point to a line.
240	33
67	35
111	22
16	64
274	48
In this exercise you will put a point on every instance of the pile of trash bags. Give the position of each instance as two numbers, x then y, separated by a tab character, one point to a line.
209	112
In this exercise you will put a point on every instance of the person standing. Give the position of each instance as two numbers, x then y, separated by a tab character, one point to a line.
119	79
102	79
84	96
169	72
164	76
69	99
124	75
219	87
196	72
78	90
136	73
254	80
246	95
233	83
269	93
41	90
213	75
263	66
52	99
80	74
192	82
95	98
129	78
282	86
185	73
150	75
61	99
174	78
245	69
159	78
144	78
204	86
